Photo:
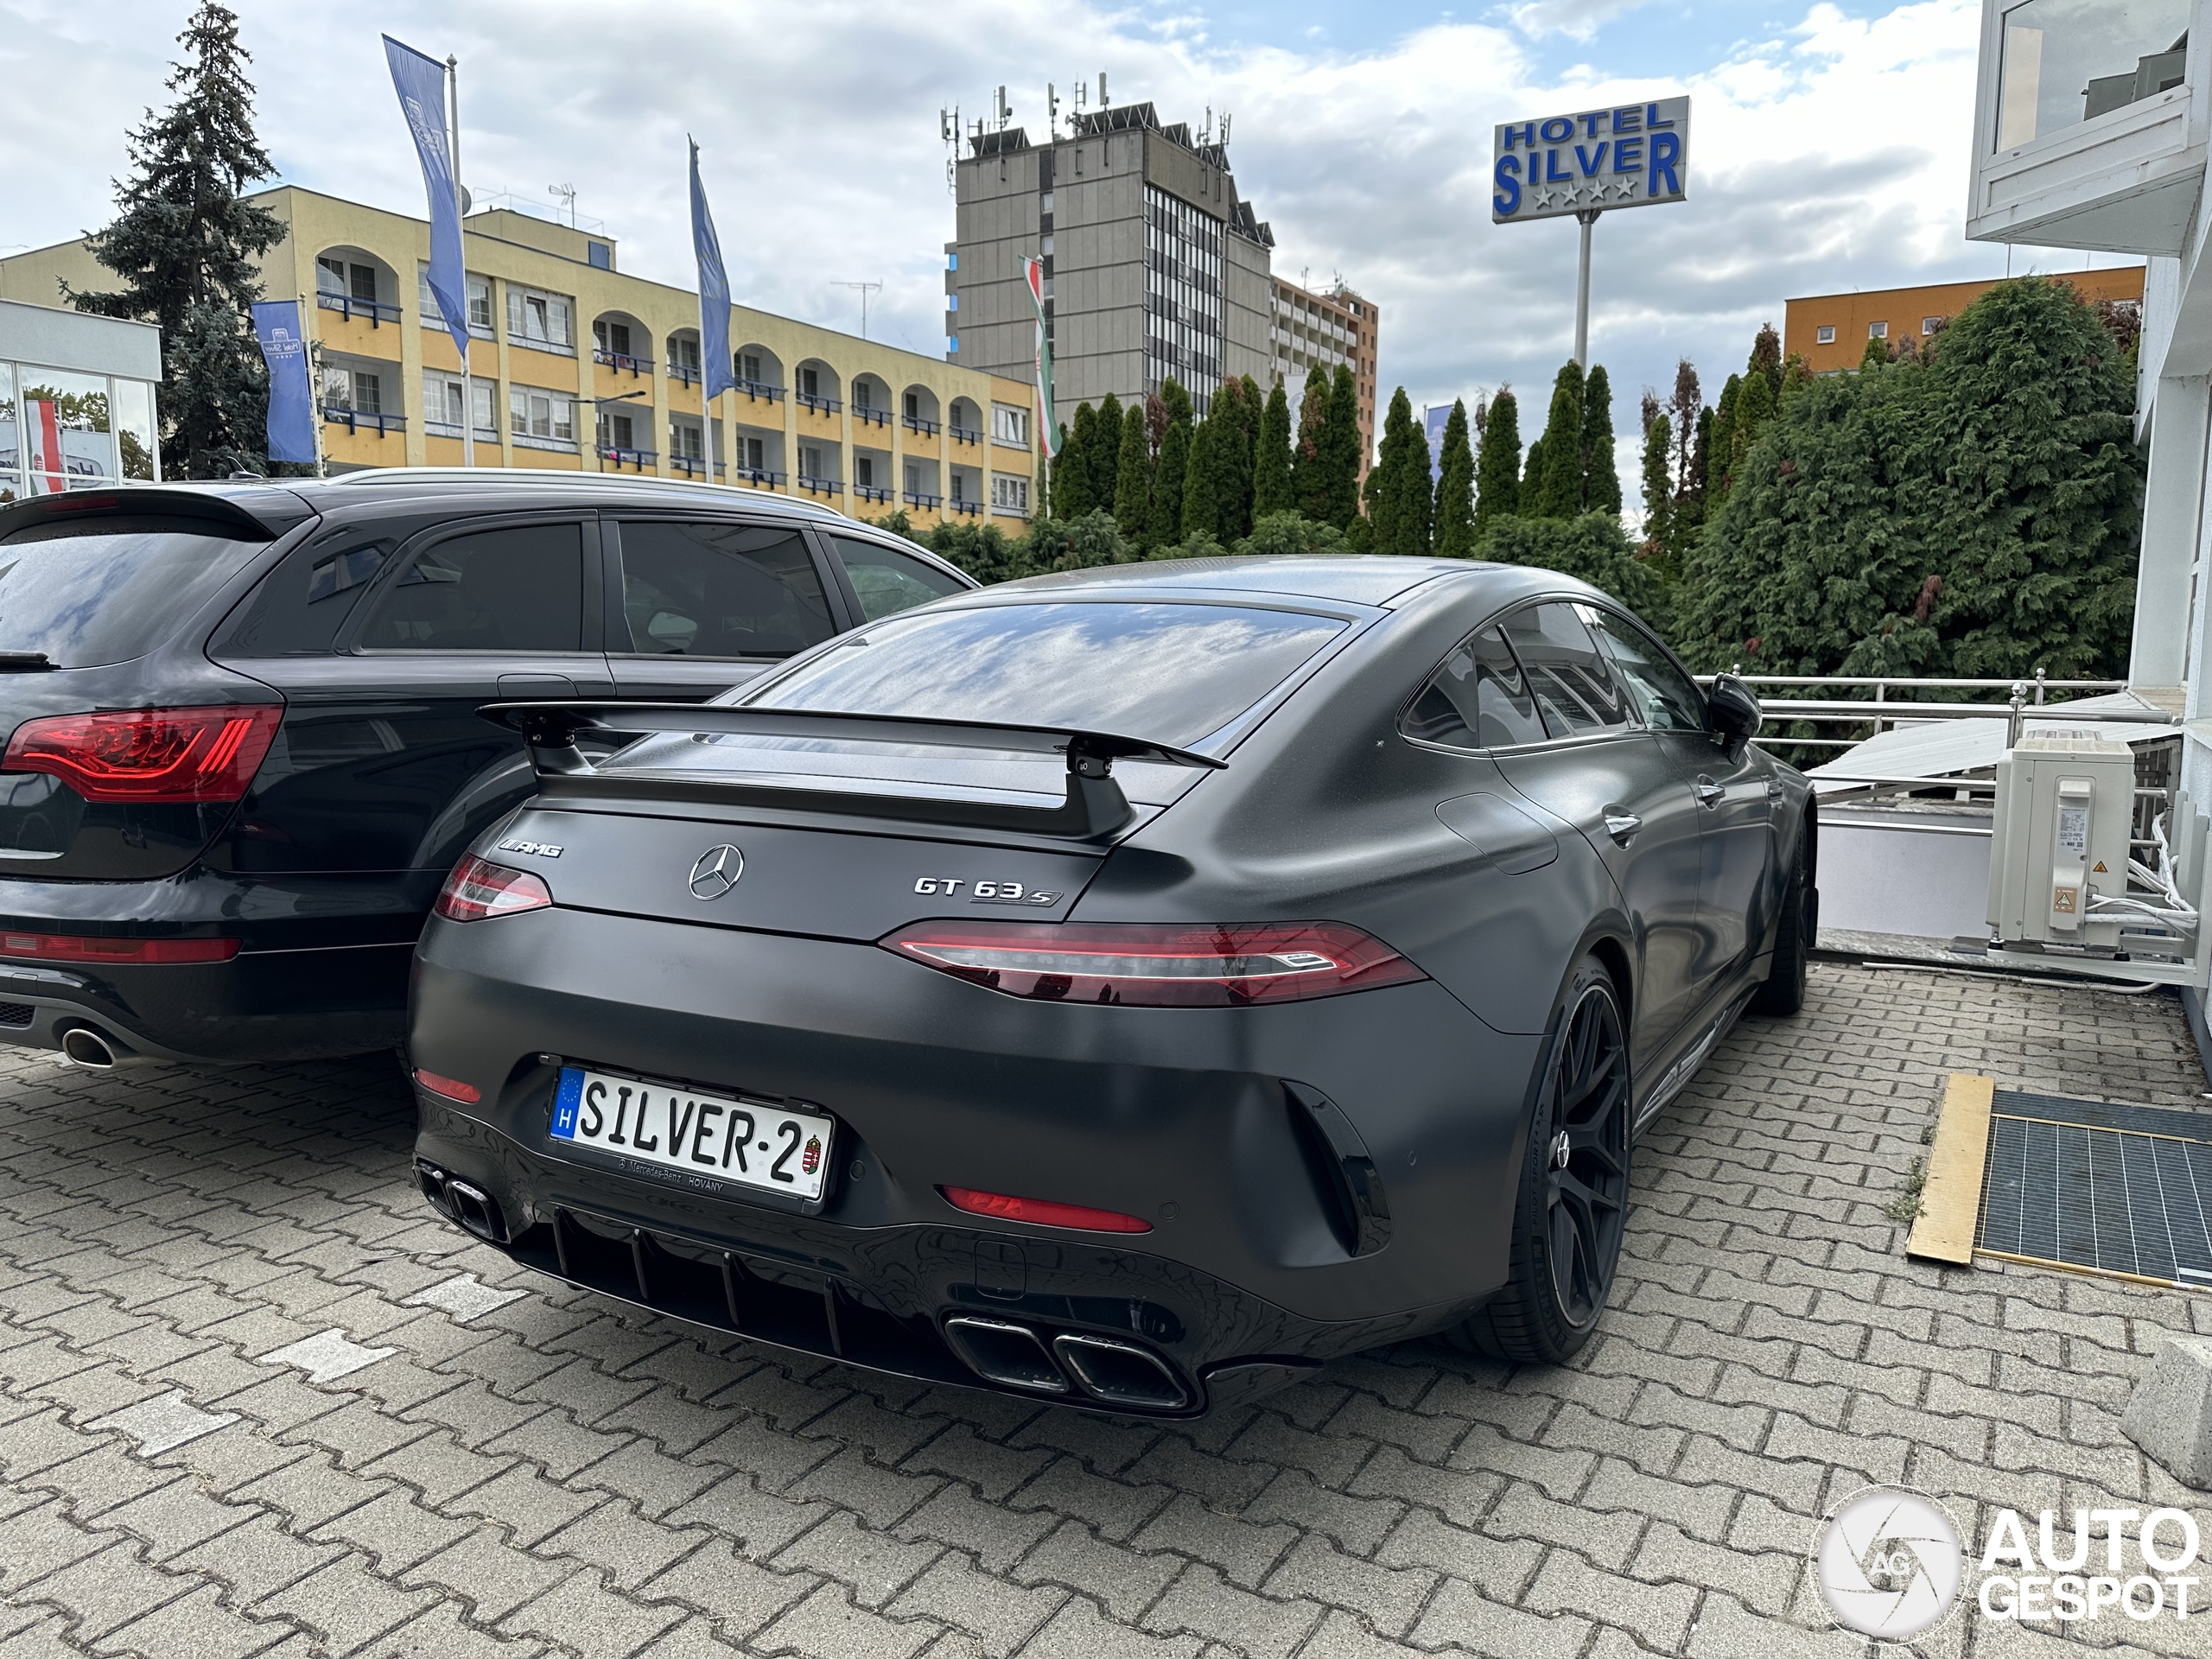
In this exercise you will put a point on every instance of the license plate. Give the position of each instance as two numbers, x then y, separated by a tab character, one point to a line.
748	1141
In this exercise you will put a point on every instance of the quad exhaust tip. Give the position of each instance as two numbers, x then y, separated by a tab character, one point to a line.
1115	1373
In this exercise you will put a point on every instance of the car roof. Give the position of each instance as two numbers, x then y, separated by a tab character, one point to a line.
437	482
1358	579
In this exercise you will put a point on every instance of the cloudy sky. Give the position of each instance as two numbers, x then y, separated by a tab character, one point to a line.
1830	145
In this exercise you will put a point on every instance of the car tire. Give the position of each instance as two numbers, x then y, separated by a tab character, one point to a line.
1569	1213
1783	992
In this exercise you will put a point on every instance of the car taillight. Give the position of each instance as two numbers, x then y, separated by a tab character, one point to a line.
153	756
1157	965
477	889
1043	1211
466	1093
78	947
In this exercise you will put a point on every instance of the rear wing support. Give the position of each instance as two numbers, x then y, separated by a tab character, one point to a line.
1094	806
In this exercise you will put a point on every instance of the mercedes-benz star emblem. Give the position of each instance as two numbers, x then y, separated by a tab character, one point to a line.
716	871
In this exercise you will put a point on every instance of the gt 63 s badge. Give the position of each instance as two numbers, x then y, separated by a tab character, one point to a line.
986	892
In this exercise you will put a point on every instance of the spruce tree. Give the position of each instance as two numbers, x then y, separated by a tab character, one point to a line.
1455	489
1171	472
1309	480
1202	478
1601	482
1754	408
1721	445
1559	487
1106	451
1385	489
1416	496
1341	453
1498	470
1271	458
1532	476
1658	495
1766	359
1133	481
186	249
1233	421
1072	495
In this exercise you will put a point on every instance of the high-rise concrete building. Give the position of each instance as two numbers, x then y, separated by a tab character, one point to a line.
1321	328
1156	269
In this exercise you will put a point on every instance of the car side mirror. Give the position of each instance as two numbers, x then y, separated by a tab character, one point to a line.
1732	712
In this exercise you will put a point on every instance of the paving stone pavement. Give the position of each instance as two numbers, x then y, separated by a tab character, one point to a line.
256	1399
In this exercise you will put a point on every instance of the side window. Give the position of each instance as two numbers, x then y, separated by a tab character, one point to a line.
886	581
1476	699
1572	679
723	589
510	590
299	607
1667	698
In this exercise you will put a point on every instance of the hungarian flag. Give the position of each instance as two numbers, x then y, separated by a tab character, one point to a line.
1034	270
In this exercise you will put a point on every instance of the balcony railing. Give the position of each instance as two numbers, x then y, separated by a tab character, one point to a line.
965	434
920	423
762	389
354	419
917	498
760	477
820	406
684	374
693	465
814	486
636	460
869	492
345	305
973	509
871	417
623	363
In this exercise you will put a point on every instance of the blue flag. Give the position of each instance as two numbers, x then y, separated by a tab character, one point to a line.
420	83
715	368
1437	416
291	400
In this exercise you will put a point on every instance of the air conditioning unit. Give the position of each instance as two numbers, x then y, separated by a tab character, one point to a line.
2070	879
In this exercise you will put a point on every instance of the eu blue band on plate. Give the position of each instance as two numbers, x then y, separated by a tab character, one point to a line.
566	1102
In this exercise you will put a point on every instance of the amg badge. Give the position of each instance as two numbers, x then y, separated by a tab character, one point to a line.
535	849
986	892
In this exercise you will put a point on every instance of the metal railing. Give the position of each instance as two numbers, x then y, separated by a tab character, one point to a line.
636	460
623	362
973	509
819	405
761	389
348	306
966	434
2023	699
760	477
918	499
354	419
684	374
920	423
867	414
814	486
871	493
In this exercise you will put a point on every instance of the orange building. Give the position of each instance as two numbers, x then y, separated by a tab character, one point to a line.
1830	331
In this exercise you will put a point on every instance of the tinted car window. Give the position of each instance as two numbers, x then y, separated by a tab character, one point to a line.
1170	673
719	590
99	592
513	589
1478	700
1666	696
886	581
299	607
1572	681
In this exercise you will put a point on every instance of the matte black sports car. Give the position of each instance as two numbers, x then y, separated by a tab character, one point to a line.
1135	987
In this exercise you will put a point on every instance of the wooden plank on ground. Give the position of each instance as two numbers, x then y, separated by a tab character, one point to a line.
1950	1203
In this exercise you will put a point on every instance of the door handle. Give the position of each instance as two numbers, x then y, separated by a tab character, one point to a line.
1622	826
1708	792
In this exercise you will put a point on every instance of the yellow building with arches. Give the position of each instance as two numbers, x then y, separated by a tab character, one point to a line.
574	364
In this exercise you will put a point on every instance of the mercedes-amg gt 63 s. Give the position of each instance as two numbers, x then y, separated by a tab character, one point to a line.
1132	988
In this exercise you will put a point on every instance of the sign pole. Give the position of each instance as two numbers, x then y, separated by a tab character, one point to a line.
1585	217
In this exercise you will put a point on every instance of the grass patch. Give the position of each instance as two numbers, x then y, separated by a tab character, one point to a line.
1905	1207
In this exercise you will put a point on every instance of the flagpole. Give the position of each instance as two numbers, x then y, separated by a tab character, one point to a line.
707	445
467	380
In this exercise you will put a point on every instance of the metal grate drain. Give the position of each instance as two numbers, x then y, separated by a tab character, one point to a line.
2120	1190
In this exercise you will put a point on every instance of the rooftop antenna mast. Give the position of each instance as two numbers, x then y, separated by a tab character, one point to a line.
1052	110
865	289
947	130
1082	91
567	196
1104	101
1005	109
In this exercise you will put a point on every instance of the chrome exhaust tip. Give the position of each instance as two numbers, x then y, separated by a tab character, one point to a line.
1005	1353
1120	1373
88	1051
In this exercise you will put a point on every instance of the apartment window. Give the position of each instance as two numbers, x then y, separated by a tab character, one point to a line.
754	454
1009	492
546	417
540	319
442	396
339	277
808	381
684	440
618	432
1009	424
684	354
810	463
863	397
749	369
1878	331
1825	335
613	337
913	407
479	301
1930	325
864	472
1046	249
359	390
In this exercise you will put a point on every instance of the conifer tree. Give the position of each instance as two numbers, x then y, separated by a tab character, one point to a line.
1346	448
1133	481
1309	484
1559	487
1106	451
1073	496
1498	470
1766	360
1455	489
1754	408
1171	472
1877	354
1721	445
186	248
1385	491
1202	478
1601	482
1234	420
1271	458
1658	495
1532	476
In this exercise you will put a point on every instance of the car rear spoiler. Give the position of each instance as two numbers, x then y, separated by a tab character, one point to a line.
1095	805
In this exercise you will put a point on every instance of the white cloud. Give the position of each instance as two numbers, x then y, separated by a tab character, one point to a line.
1829	156
1579	19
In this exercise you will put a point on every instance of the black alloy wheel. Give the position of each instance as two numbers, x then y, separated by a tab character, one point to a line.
1572	1203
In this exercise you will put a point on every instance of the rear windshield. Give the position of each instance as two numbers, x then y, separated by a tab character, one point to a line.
1170	673
86	596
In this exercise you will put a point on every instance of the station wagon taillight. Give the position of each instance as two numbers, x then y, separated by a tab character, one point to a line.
160	757
1172	965
477	889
